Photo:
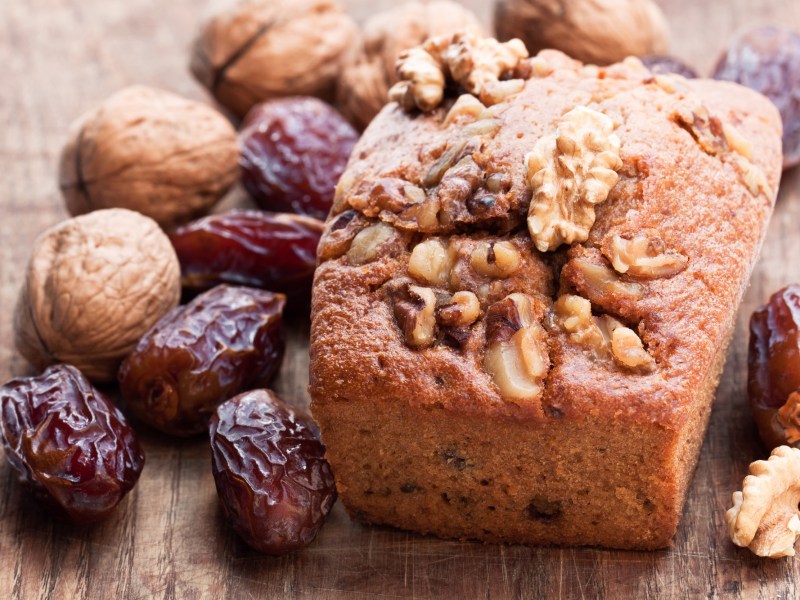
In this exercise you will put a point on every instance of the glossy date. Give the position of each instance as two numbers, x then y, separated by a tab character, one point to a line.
71	447
226	340
774	367
249	247
273	481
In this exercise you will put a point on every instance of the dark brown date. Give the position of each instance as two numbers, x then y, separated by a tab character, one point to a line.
665	65
226	340
273	481
272	251
71	447
774	365
767	59
293	151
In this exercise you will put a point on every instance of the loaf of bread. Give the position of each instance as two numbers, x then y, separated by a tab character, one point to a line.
526	290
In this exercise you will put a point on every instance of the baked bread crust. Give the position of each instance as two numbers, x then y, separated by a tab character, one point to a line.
423	437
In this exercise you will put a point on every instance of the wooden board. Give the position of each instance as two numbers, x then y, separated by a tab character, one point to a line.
168	540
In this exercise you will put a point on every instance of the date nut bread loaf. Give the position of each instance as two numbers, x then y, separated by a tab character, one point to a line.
526	288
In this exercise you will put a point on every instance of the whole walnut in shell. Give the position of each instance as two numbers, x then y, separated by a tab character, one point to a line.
263	49
365	81
593	32
150	151
94	285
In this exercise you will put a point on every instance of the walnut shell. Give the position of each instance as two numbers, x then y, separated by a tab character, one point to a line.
150	151
593	32
365	81
94	285
263	49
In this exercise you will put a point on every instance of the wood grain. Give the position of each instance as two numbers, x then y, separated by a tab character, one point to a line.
60	57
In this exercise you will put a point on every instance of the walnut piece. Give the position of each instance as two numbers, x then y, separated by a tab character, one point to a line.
516	353
764	516
262	49
644	256
414	310
94	285
150	151
600	283
604	335
430	262
461	310
364	83
476	64
570	172
496	259
592	32
367	243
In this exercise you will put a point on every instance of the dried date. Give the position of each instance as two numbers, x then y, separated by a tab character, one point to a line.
226	340
273	481
71	447
293	151
767	59
249	247
774	366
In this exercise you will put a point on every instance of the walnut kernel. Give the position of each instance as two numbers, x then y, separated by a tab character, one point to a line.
262	49
461	310
95	284
516	353
644	256
414	310
430	262
474	63
764	516
496	259
150	151
570	172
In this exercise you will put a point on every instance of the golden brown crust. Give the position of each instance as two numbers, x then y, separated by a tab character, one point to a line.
681	178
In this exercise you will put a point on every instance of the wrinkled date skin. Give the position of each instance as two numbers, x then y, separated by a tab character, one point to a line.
226	340
273	481
292	154
774	361
767	59
72	448
249	247
664	65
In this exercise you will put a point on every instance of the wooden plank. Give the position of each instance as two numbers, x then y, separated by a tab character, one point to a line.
60	57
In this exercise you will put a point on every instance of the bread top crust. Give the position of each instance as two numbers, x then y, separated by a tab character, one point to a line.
700	166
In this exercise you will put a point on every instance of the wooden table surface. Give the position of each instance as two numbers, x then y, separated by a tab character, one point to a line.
168	540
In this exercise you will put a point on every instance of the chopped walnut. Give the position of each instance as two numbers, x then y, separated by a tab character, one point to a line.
570	172
706	129
600	283
736	141
496	259
367	243
788	416
466	108
753	177
421	82
644	256
764	516
461	310
604	335
516	351
474	63
430	262
414	310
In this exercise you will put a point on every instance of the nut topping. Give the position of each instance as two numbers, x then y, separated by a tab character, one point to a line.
495	259
466	108
462	310
764	516
600	283
516	352
628	350
569	173
474	63
367	243
430	262
414	309
646	257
